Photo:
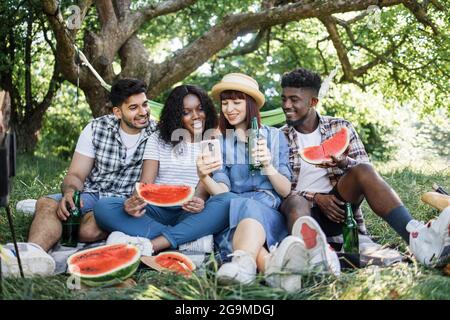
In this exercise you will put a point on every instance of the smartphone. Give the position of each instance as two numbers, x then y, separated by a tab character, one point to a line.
212	147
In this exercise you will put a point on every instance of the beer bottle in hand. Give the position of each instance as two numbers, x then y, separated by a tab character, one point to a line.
253	138
350	231
72	225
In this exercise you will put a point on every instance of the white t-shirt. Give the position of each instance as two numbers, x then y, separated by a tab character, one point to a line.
176	165
311	178
86	148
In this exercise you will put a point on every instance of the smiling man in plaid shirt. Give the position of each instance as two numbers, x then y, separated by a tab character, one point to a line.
107	161
321	191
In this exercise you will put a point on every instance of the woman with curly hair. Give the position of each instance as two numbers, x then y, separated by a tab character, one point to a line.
170	158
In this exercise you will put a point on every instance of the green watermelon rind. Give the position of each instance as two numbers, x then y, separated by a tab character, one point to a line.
169	204
109	278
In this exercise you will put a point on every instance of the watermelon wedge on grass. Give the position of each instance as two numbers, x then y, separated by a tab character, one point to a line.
171	261
105	265
163	195
336	145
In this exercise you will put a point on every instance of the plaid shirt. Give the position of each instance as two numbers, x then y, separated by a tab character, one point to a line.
111	176
328	126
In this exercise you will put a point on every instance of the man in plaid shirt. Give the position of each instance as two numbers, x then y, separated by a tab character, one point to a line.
321	191
107	161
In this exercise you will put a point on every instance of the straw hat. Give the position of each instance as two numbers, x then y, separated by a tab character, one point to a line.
239	82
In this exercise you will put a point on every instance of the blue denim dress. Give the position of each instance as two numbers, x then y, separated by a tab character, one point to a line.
254	196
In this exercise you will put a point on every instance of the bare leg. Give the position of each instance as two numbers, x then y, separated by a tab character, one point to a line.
89	231
362	181
46	228
293	208
261	260
249	237
160	243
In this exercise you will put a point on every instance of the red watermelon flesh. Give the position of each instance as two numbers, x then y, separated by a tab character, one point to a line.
104	265
171	261
336	145
103	260
176	262
164	195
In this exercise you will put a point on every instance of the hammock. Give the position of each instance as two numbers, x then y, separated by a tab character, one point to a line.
273	117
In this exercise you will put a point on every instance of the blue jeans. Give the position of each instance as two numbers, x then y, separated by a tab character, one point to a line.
175	224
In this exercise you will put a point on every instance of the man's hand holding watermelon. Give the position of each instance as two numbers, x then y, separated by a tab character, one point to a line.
340	162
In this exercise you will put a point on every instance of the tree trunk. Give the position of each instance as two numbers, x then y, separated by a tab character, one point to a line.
98	100
28	131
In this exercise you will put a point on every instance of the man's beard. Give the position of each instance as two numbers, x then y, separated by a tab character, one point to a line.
131	125
294	123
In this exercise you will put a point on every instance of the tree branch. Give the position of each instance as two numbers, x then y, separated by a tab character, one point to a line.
106	14
122	7
65	52
324	61
134	59
253	45
419	12
55	84
378	57
194	55
438	6
341	50
133	21
290	47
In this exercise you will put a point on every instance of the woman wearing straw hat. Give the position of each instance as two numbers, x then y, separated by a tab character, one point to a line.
255	223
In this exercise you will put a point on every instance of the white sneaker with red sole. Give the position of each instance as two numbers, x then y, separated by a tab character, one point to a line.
430	243
286	263
321	256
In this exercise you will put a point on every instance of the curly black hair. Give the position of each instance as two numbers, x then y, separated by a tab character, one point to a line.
301	78
172	112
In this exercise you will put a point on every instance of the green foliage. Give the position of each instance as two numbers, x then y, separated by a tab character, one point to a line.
15	16
63	124
368	114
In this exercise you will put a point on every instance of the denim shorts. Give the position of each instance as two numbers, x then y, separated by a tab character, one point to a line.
88	198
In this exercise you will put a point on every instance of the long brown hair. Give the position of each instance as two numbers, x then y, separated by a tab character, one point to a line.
251	108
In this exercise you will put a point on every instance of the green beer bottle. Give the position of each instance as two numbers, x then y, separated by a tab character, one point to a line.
72	225
253	138
350	231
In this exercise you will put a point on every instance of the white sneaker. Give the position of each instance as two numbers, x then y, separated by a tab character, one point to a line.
285	264
430	243
241	269
143	244
321	256
34	260
27	206
204	244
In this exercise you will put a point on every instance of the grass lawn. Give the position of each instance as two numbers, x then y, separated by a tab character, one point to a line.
38	176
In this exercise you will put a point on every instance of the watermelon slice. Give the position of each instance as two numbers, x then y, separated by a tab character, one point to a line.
163	195
336	145
170	261
105	265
